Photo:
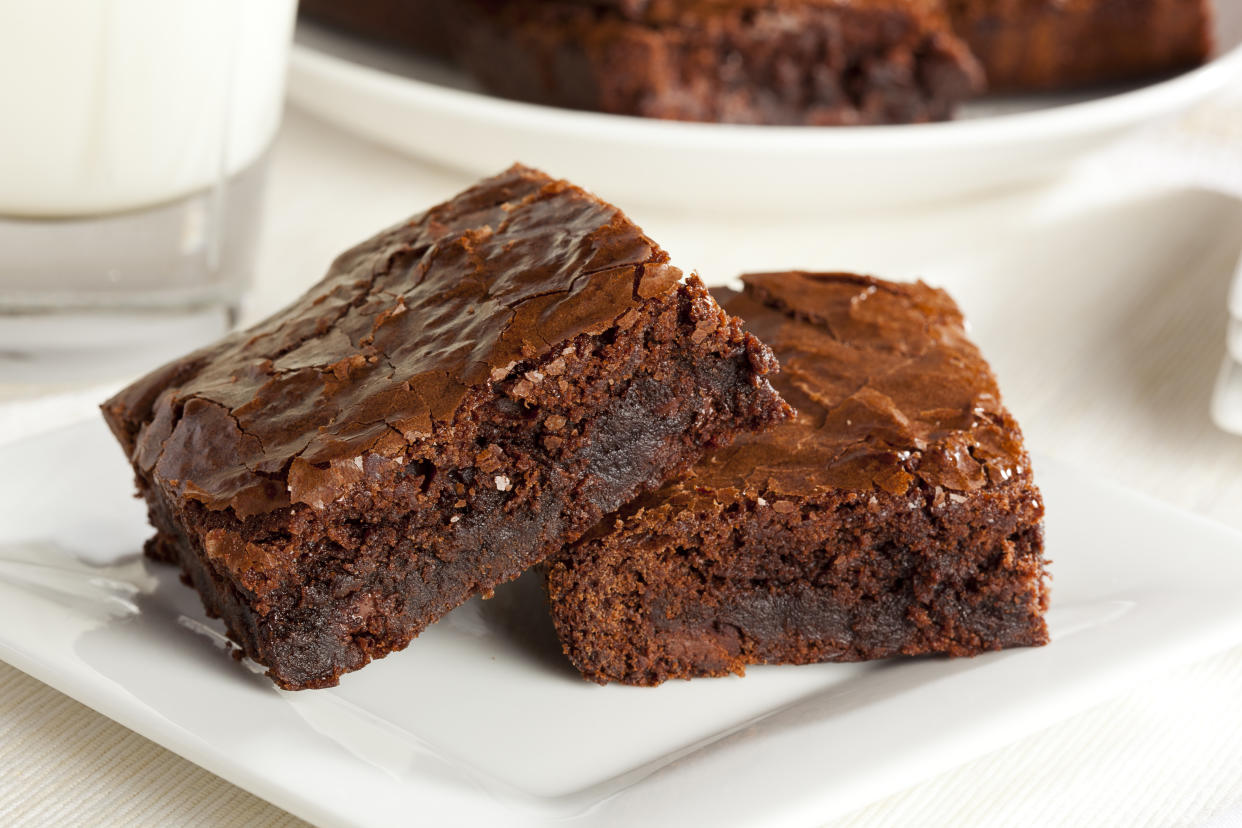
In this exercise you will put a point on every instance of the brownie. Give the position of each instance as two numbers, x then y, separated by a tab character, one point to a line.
896	515
821	62
460	396
1050	44
418	24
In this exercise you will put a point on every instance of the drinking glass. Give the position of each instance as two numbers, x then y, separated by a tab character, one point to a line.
133	142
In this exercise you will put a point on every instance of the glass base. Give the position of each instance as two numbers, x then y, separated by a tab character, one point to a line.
124	292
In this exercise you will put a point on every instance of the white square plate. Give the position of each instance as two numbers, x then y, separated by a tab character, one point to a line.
481	720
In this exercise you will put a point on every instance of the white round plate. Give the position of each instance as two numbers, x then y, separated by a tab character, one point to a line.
429	110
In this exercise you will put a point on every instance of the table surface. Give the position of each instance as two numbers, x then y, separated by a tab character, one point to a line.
1100	301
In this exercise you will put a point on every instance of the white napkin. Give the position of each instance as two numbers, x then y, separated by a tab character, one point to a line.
1227	398
1201	149
1233	819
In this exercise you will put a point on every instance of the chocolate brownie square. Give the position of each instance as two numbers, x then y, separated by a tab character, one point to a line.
896	515
820	62
461	396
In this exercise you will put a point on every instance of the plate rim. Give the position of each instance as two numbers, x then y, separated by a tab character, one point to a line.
1109	111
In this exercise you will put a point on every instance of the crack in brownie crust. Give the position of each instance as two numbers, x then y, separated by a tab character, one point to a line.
896	515
461	395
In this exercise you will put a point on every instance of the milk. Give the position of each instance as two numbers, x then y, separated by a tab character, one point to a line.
115	105
133	135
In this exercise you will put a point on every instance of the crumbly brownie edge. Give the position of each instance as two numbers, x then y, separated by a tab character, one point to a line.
681	593
352	600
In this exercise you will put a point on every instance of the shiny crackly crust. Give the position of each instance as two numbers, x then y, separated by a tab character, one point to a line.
385	348
889	391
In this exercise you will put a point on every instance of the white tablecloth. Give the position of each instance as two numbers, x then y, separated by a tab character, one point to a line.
1099	301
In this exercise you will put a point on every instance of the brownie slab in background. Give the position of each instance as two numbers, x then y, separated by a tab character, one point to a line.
822	62
1054	44
896	515
462	395
418	24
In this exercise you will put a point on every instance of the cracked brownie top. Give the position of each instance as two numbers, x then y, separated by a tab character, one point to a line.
383	351
887	386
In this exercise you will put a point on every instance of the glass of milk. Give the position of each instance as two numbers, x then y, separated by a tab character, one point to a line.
133	140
